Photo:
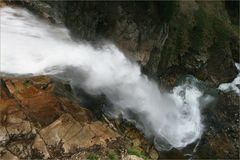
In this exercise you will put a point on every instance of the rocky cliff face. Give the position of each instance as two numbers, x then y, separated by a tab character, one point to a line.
198	38
41	117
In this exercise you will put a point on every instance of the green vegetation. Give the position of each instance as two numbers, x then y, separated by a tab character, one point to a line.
136	152
92	157
112	155
168	8
26	83
37	124
196	34
209	27
201	31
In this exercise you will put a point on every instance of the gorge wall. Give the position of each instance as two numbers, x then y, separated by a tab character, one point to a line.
167	38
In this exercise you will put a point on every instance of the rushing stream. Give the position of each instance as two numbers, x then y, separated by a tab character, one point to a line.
31	45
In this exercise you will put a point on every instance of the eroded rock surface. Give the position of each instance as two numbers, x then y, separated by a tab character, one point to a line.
40	121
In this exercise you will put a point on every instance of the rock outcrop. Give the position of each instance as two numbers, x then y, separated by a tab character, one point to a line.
221	137
38	121
40	118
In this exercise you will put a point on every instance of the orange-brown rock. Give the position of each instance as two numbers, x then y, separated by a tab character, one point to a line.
38	99
39	118
2	4
73	135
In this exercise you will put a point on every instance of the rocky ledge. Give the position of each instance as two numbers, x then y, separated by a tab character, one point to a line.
41	119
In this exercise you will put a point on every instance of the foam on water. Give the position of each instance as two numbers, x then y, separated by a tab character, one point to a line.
234	85
30	45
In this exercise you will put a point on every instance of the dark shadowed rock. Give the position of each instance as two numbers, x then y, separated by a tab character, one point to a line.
221	136
198	38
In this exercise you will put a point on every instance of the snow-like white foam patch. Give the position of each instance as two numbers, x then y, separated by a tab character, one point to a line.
234	85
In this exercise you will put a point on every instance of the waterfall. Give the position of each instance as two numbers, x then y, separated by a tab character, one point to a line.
30	45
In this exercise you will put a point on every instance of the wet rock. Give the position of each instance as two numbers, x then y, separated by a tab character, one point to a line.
220	139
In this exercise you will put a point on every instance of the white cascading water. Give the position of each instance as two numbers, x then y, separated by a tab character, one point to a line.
30	45
234	85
